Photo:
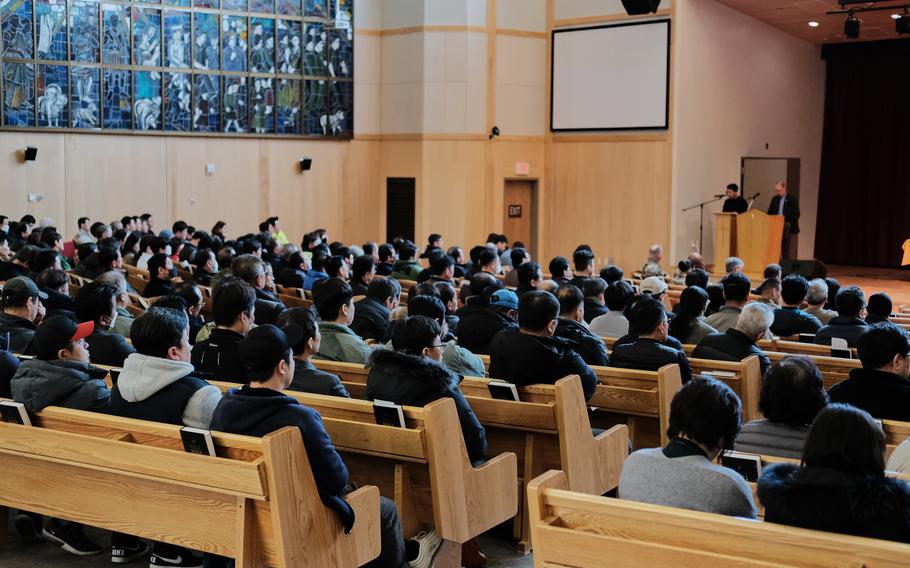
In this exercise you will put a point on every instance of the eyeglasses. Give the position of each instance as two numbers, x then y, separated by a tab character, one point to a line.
437	346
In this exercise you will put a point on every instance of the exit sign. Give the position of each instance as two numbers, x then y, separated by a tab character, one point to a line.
522	168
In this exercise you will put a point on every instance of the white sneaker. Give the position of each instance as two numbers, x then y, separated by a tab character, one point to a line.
429	543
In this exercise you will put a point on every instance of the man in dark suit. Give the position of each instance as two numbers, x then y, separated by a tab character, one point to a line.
781	204
734	202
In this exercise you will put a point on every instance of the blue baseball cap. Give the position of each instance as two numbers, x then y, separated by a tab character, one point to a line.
504	298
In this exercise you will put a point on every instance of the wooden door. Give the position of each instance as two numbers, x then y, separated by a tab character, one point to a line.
519	215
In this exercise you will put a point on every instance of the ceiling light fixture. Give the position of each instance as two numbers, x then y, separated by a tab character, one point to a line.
814	24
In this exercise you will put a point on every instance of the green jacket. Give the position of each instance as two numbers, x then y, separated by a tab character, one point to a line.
457	359
123	323
339	343
406	270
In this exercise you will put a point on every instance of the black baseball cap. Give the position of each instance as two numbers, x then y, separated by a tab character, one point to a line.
55	333
21	287
266	345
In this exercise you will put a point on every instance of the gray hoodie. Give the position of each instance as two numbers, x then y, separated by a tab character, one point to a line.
144	376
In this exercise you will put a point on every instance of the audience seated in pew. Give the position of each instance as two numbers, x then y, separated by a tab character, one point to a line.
792	395
307	378
740	341
571	326
251	270
583	263
333	301
698	277
849	324
455	358
60	375
412	373
161	276
205	266
124	320
18	266
840	486
195	302
435	245
387	258
294	272
406	267
559	270
97	302
879	308
789	319
55	283
683	267
595	304
611	273
528	276
317	272
769	292
614	322
531	354
881	386
448	296
647	345
816	298
362	272
518	256
656	287
704	421
22	312
689	325
371	314
488	311
260	408
736	287
652	264
234	309
159	383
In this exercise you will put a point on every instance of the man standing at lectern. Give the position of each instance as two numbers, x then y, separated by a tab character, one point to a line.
734	202
782	204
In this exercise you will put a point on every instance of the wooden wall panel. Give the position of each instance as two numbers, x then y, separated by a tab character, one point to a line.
451	196
615	196
364	193
108	177
45	176
231	194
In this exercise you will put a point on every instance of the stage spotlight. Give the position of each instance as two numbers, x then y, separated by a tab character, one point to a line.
640	7
851	27
902	24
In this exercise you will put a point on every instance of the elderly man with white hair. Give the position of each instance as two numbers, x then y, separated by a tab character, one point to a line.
815	300
652	265
741	340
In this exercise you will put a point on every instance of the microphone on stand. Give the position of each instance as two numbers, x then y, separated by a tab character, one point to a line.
755	196
718	196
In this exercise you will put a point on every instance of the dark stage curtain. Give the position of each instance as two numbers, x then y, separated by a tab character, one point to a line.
864	189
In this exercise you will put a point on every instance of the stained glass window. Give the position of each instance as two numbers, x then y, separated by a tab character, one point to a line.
246	67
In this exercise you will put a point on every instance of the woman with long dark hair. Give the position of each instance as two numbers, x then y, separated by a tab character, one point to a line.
688	326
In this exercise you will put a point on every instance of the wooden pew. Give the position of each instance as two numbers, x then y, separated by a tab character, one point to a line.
548	428
424	468
256	502
573	529
745	382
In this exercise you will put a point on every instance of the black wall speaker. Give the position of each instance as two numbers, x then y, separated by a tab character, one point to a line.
640	7
31	154
808	268
306	164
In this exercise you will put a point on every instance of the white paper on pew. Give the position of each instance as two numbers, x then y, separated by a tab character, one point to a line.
839	343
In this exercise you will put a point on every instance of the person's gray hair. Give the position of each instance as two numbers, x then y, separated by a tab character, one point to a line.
115	279
550	286
247	267
732	263
356	251
818	292
755	319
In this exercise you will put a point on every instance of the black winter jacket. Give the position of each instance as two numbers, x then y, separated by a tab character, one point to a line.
835	501
590	347
416	381
528	359
219	356
108	348
70	384
593	309
58	304
16	333
650	355
733	345
478	324
259	411
371	319
842	327
885	396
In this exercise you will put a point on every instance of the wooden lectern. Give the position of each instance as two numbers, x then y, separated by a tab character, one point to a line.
753	236
724	236
760	236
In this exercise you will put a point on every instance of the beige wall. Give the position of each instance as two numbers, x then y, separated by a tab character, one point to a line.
741	84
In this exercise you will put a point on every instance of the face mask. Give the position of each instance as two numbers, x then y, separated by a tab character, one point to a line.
167	250
215	267
172	273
